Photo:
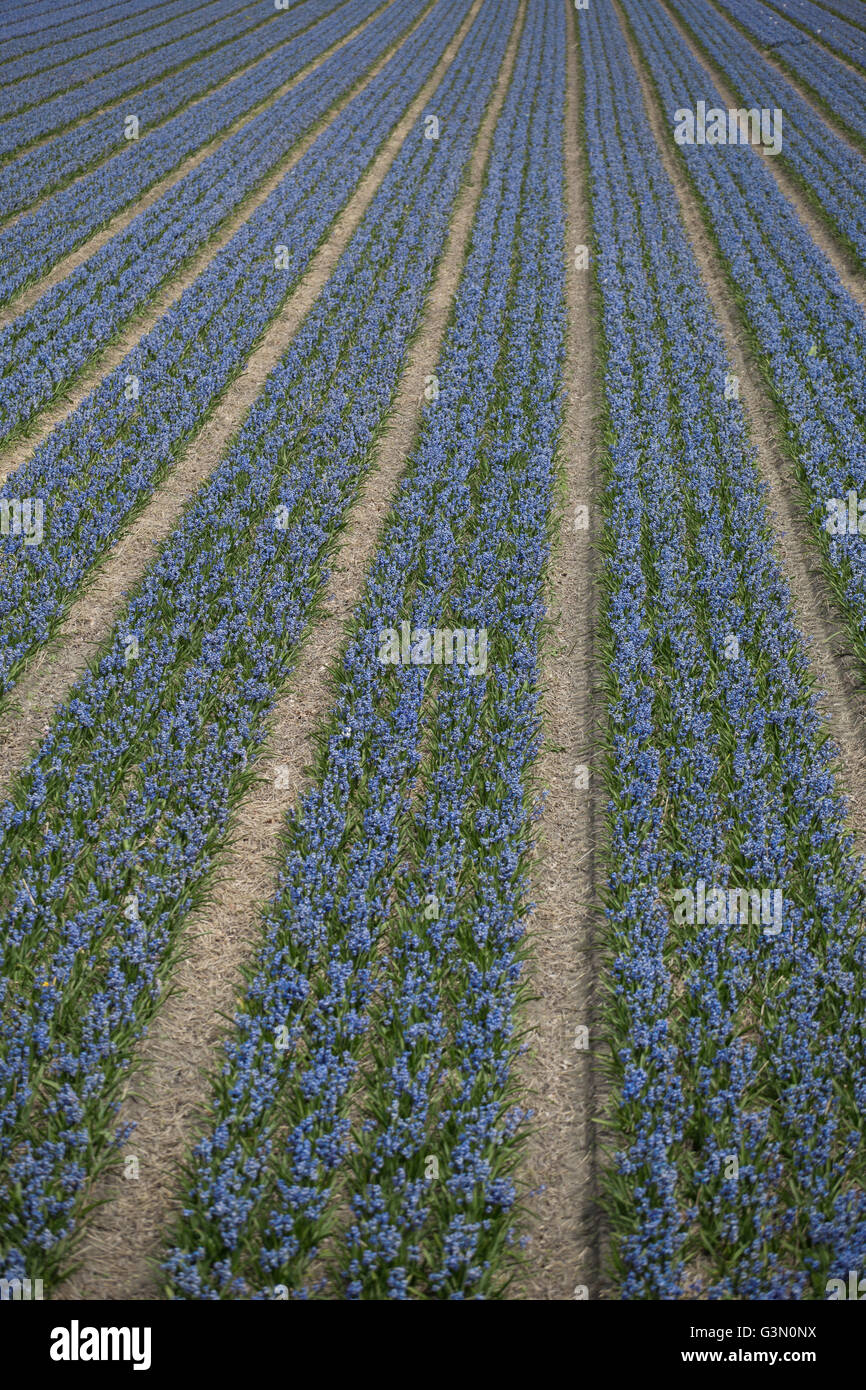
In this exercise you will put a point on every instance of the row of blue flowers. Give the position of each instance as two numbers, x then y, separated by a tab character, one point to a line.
184	35
830	25
738	1071
23	23
43	349
53	47
829	167
38	117
842	90
395	937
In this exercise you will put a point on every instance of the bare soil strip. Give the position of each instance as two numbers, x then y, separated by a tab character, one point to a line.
121	1249
817	223
13	454
561	1161
28	295
817	616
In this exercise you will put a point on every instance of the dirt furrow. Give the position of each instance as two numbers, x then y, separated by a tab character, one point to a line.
121	1249
561	1159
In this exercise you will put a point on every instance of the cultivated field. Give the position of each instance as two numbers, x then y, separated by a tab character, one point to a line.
432	649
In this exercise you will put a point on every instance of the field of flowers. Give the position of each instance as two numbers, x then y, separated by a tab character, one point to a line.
343	345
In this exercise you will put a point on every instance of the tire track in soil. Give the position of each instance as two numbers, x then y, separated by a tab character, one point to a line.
119	1252
561	1159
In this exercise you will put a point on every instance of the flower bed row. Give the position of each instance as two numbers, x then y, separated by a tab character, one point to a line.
854	10
735	1039
453	1234
128	798
197	29
808	332
41	117
29	17
50	47
843	92
389	975
821	23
